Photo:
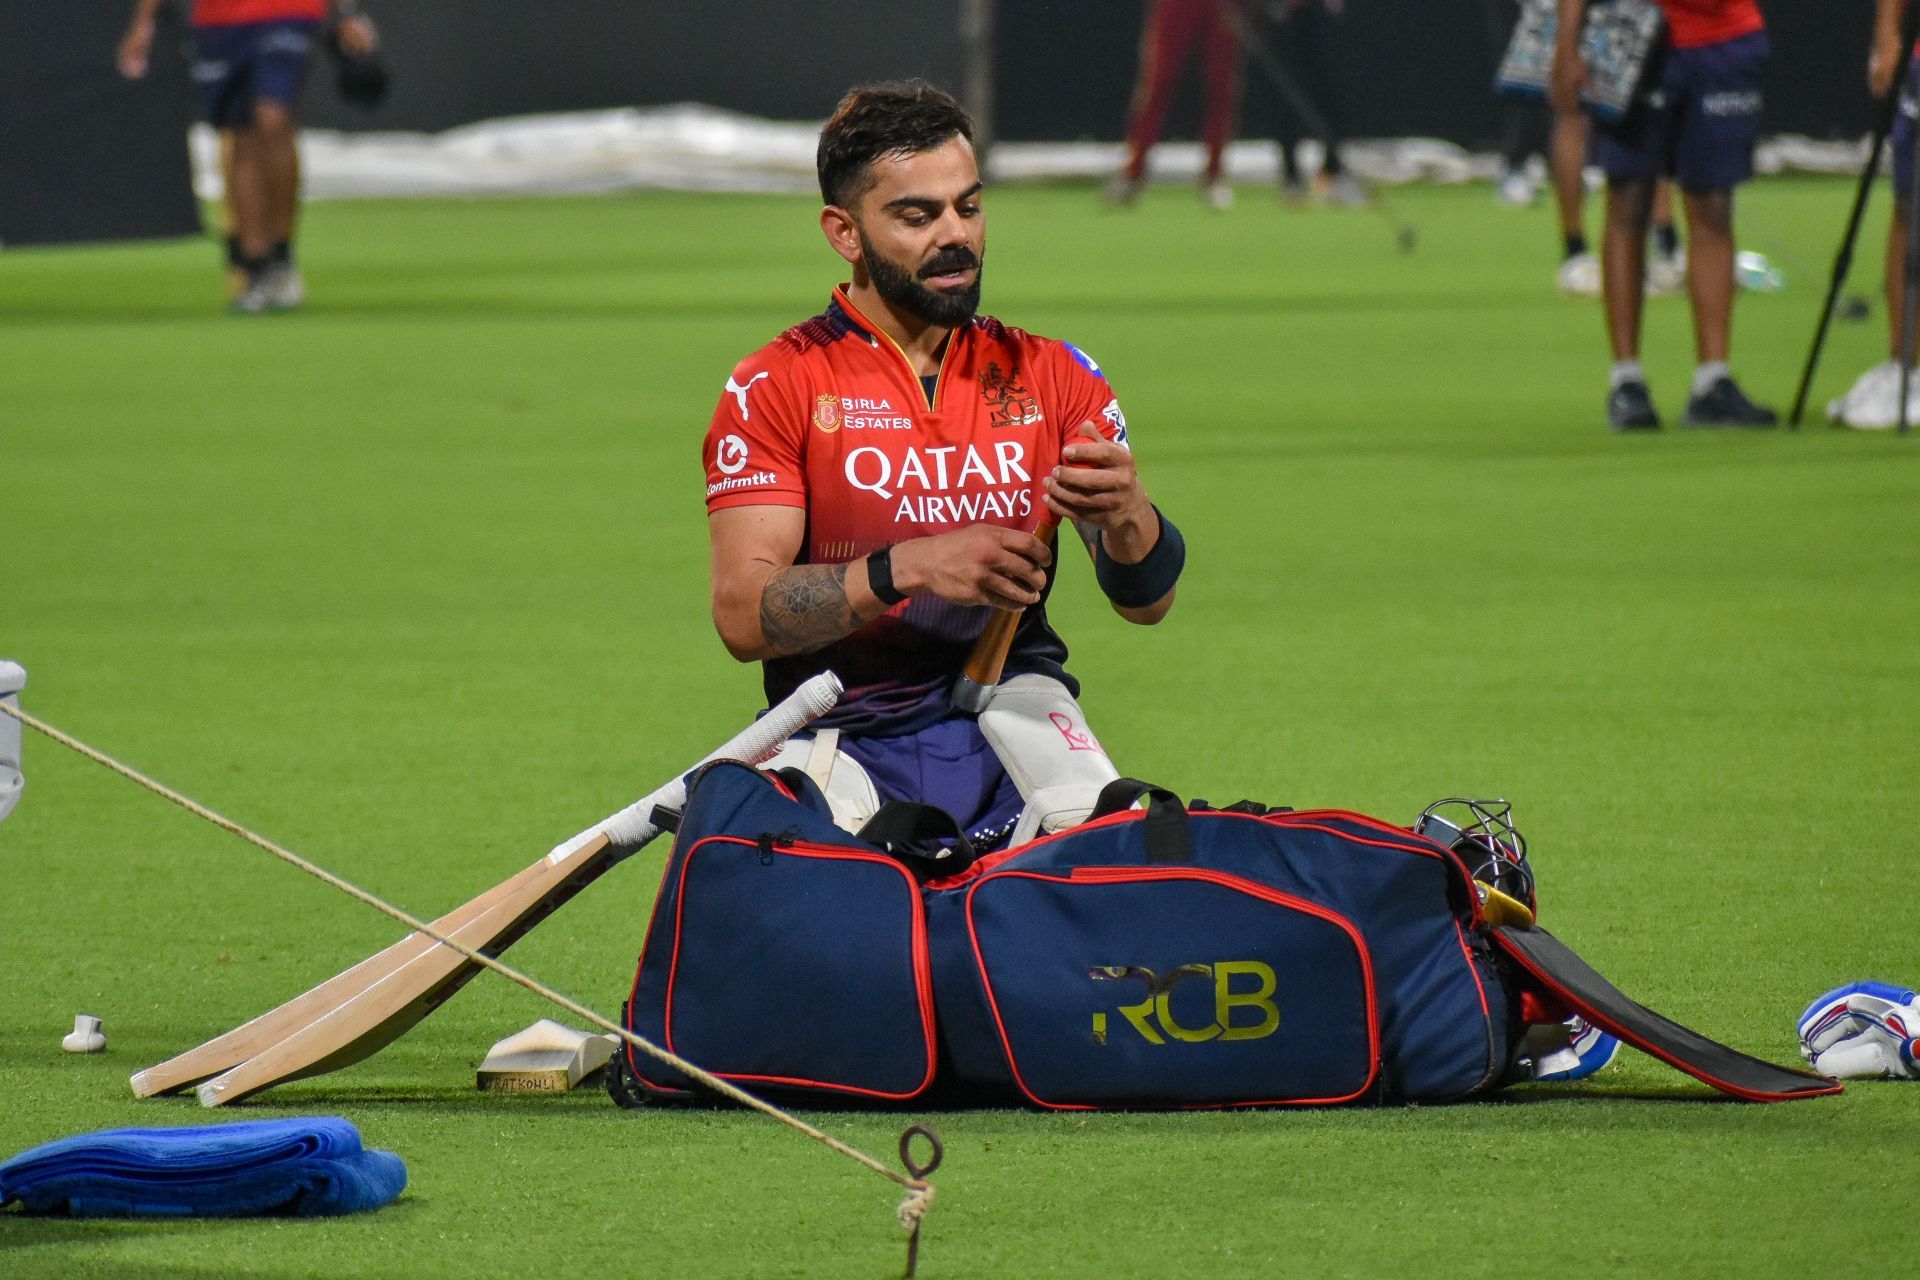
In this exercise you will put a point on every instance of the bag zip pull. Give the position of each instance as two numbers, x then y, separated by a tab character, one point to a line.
767	842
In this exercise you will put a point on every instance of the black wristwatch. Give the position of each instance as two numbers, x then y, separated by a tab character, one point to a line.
880	578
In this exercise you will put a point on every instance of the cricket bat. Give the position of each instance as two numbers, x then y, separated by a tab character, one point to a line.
988	657
547	1057
365	1008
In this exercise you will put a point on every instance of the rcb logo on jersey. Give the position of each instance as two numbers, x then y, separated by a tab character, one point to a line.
1008	403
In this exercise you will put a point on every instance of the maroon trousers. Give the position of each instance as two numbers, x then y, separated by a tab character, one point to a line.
1173	27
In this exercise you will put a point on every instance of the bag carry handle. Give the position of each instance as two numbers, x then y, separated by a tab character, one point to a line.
1165	824
925	834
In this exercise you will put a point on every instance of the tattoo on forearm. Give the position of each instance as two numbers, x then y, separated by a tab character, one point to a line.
805	607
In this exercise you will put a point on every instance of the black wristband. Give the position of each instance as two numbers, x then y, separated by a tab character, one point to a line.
1135	586
880	578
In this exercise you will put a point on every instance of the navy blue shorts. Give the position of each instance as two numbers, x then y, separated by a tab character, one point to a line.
950	765
235	66
1903	131
1702	122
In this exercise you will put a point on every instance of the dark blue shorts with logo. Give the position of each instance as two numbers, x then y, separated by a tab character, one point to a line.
1903	132
235	66
1702	122
948	764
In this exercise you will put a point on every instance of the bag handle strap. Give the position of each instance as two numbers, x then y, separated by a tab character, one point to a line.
1165	825
924	833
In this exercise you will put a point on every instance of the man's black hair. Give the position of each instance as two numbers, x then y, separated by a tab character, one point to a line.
899	117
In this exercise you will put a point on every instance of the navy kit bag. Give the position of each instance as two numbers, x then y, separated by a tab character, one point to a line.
1171	956
784	955
1204	958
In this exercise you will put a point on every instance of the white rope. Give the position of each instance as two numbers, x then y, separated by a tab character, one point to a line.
920	1192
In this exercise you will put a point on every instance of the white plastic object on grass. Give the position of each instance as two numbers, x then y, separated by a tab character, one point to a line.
86	1036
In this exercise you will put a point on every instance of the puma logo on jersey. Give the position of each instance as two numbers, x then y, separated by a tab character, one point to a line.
739	393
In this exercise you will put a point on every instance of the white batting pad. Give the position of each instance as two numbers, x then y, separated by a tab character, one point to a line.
1041	736
13	678
849	790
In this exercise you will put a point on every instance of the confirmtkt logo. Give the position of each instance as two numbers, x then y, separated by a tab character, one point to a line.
731	455
1258	1016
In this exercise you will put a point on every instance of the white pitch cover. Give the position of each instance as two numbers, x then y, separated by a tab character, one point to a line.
13	678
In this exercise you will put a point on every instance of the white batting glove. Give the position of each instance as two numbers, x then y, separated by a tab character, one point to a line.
1863	1031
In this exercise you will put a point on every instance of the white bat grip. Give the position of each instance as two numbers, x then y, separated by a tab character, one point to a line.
632	827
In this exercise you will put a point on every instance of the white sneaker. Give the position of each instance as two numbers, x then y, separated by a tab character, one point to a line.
1873	402
1579	275
254	299
1218	194
1341	191
1123	189
285	288
1666	274
1516	190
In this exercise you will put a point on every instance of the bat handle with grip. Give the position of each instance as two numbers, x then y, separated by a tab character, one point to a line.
978	679
632	827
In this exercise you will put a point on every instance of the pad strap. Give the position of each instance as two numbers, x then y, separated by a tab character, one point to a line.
826	747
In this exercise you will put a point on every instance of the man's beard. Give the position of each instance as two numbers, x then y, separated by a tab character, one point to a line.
901	286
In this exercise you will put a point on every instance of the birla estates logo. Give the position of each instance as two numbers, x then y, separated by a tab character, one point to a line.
826	413
1009	404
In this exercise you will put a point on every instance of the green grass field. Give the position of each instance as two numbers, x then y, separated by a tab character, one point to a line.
414	581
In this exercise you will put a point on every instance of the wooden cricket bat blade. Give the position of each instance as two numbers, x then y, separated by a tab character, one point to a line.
367	1022
226	1051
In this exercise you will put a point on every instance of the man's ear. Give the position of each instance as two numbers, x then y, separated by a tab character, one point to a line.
842	232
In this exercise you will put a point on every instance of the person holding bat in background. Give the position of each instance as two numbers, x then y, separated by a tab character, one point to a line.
1699	128
1873	402
875	479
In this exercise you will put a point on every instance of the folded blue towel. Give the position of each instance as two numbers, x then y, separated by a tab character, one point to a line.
308	1166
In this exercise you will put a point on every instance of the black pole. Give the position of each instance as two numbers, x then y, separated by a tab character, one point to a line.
1910	288
1264	61
1843	261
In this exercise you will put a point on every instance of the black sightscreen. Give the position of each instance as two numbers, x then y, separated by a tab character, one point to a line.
84	154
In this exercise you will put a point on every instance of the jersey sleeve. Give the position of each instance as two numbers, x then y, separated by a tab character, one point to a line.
753	445
1086	396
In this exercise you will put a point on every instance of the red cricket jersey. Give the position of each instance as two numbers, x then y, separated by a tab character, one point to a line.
1693	23
831	417
232	13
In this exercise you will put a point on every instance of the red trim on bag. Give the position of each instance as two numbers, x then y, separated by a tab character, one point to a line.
922	969
1124	875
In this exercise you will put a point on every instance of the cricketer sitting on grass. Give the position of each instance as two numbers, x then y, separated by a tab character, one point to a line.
873	478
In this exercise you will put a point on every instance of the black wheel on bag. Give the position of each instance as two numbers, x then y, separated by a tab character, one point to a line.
621	1086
